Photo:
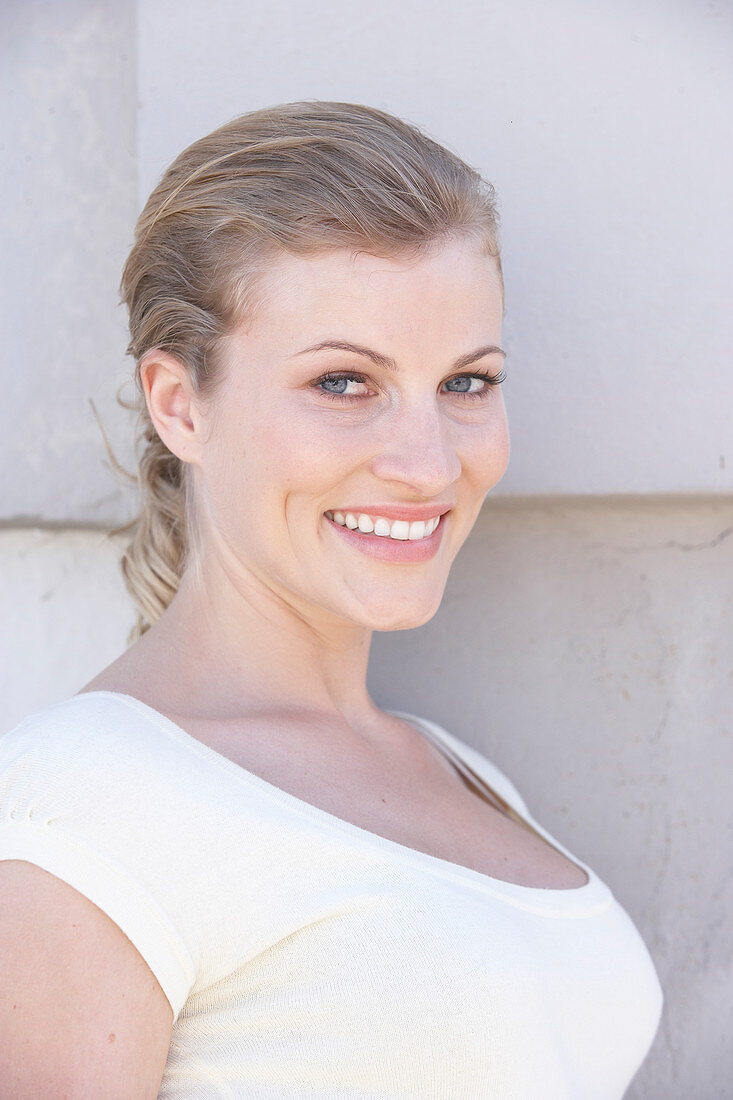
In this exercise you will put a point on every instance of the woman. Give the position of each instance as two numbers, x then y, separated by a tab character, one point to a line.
226	871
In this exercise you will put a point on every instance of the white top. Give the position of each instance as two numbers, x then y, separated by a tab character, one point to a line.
306	957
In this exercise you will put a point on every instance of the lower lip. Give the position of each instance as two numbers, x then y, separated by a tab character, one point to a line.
385	548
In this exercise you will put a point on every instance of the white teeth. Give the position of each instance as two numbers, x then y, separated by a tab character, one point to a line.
400	529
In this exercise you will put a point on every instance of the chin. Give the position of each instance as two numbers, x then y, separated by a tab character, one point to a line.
406	616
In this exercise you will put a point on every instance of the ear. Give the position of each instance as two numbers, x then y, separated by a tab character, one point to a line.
172	404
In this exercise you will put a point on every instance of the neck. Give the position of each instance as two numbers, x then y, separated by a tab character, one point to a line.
229	642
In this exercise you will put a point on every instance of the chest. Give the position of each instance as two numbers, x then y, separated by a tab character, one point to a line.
410	793
390	978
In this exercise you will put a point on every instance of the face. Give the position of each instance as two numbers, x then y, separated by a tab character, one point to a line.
300	441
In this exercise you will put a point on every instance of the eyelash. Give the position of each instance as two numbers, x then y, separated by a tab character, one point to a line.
333	376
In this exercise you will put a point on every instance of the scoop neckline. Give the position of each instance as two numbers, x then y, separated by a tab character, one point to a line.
587	899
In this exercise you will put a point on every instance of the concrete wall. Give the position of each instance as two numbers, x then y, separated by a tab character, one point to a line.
69	203
587	647
584	641
604	127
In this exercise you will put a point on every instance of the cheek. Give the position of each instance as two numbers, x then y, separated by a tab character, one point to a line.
312	446
311	452
499	449
280	462
484	450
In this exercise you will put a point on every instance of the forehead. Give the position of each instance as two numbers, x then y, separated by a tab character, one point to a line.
453	285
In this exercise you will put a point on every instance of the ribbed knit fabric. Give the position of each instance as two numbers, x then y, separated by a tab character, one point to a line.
306	958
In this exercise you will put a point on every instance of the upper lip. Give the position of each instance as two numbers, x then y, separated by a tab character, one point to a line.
409	512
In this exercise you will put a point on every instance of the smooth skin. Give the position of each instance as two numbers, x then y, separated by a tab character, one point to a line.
81	1015
271	452
276	621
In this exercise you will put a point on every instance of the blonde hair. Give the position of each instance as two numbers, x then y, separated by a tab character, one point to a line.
298	178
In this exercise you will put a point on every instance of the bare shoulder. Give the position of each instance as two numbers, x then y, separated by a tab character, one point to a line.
81	1013
122	675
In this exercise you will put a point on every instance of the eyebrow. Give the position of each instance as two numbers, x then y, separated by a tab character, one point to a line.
387	362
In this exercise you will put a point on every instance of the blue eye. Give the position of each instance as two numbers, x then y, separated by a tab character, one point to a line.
340	379
489	380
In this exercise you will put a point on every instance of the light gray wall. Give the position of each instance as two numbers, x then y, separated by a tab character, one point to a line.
584	641
605	128
68	207
587	647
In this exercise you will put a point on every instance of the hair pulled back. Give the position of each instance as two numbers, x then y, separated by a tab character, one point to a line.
297	178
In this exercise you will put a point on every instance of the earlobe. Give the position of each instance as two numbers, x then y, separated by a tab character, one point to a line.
171	401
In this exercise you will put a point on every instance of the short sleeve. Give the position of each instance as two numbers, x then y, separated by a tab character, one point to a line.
75	805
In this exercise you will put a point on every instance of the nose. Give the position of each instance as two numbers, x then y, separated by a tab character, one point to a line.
417	451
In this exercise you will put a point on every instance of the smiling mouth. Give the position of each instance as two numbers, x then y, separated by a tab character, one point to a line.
399	529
